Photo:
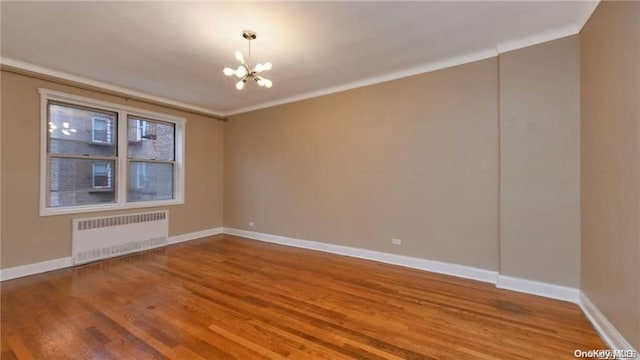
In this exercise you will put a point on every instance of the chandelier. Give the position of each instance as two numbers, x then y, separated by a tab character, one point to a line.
244	72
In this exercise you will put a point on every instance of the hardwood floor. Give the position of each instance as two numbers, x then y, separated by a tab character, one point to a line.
227	297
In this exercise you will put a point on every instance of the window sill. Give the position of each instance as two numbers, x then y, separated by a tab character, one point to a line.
98	143
100	191
49	211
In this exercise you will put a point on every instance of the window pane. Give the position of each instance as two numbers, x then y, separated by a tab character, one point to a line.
150	181
102	175
81	131
150	140
80	182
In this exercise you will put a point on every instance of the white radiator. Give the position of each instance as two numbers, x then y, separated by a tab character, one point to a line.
105	237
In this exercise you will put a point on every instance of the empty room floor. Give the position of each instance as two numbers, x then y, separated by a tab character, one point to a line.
227	297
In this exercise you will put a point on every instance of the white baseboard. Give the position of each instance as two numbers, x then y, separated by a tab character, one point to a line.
35	268
607	331
194	235
538	288
55	264
466	272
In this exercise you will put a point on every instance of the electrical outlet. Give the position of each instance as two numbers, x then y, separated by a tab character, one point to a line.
250	223
396	241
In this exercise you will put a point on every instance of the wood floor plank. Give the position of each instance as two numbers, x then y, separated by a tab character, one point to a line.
247	343
227	297
18	348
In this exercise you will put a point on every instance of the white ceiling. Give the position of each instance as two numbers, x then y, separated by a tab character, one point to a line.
176	50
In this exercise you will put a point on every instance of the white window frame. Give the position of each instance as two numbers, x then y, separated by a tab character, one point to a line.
121	165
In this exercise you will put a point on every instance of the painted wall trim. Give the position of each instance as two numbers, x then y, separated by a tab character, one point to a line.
429	67
194	235
552	291
36	69
462	271
35	268
504	282
541	38
61	263
421	69
607	331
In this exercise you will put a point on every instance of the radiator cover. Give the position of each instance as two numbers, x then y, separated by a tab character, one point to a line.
108	236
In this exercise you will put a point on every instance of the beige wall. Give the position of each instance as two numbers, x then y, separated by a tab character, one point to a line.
610	153
417	159
540	162
27	237
414	159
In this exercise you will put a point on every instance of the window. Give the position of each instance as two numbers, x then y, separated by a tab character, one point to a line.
76	166
151	159
102	175
102	130
100	156
140	129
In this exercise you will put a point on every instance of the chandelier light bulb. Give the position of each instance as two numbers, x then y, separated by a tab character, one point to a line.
267	83
258	68
228	71
66	132
267	66
240	85
239	56
260	81
241	71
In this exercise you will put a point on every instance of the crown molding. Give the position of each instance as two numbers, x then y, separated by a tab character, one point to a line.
500	48
429	67
48	73
487	53
432	66
537	39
